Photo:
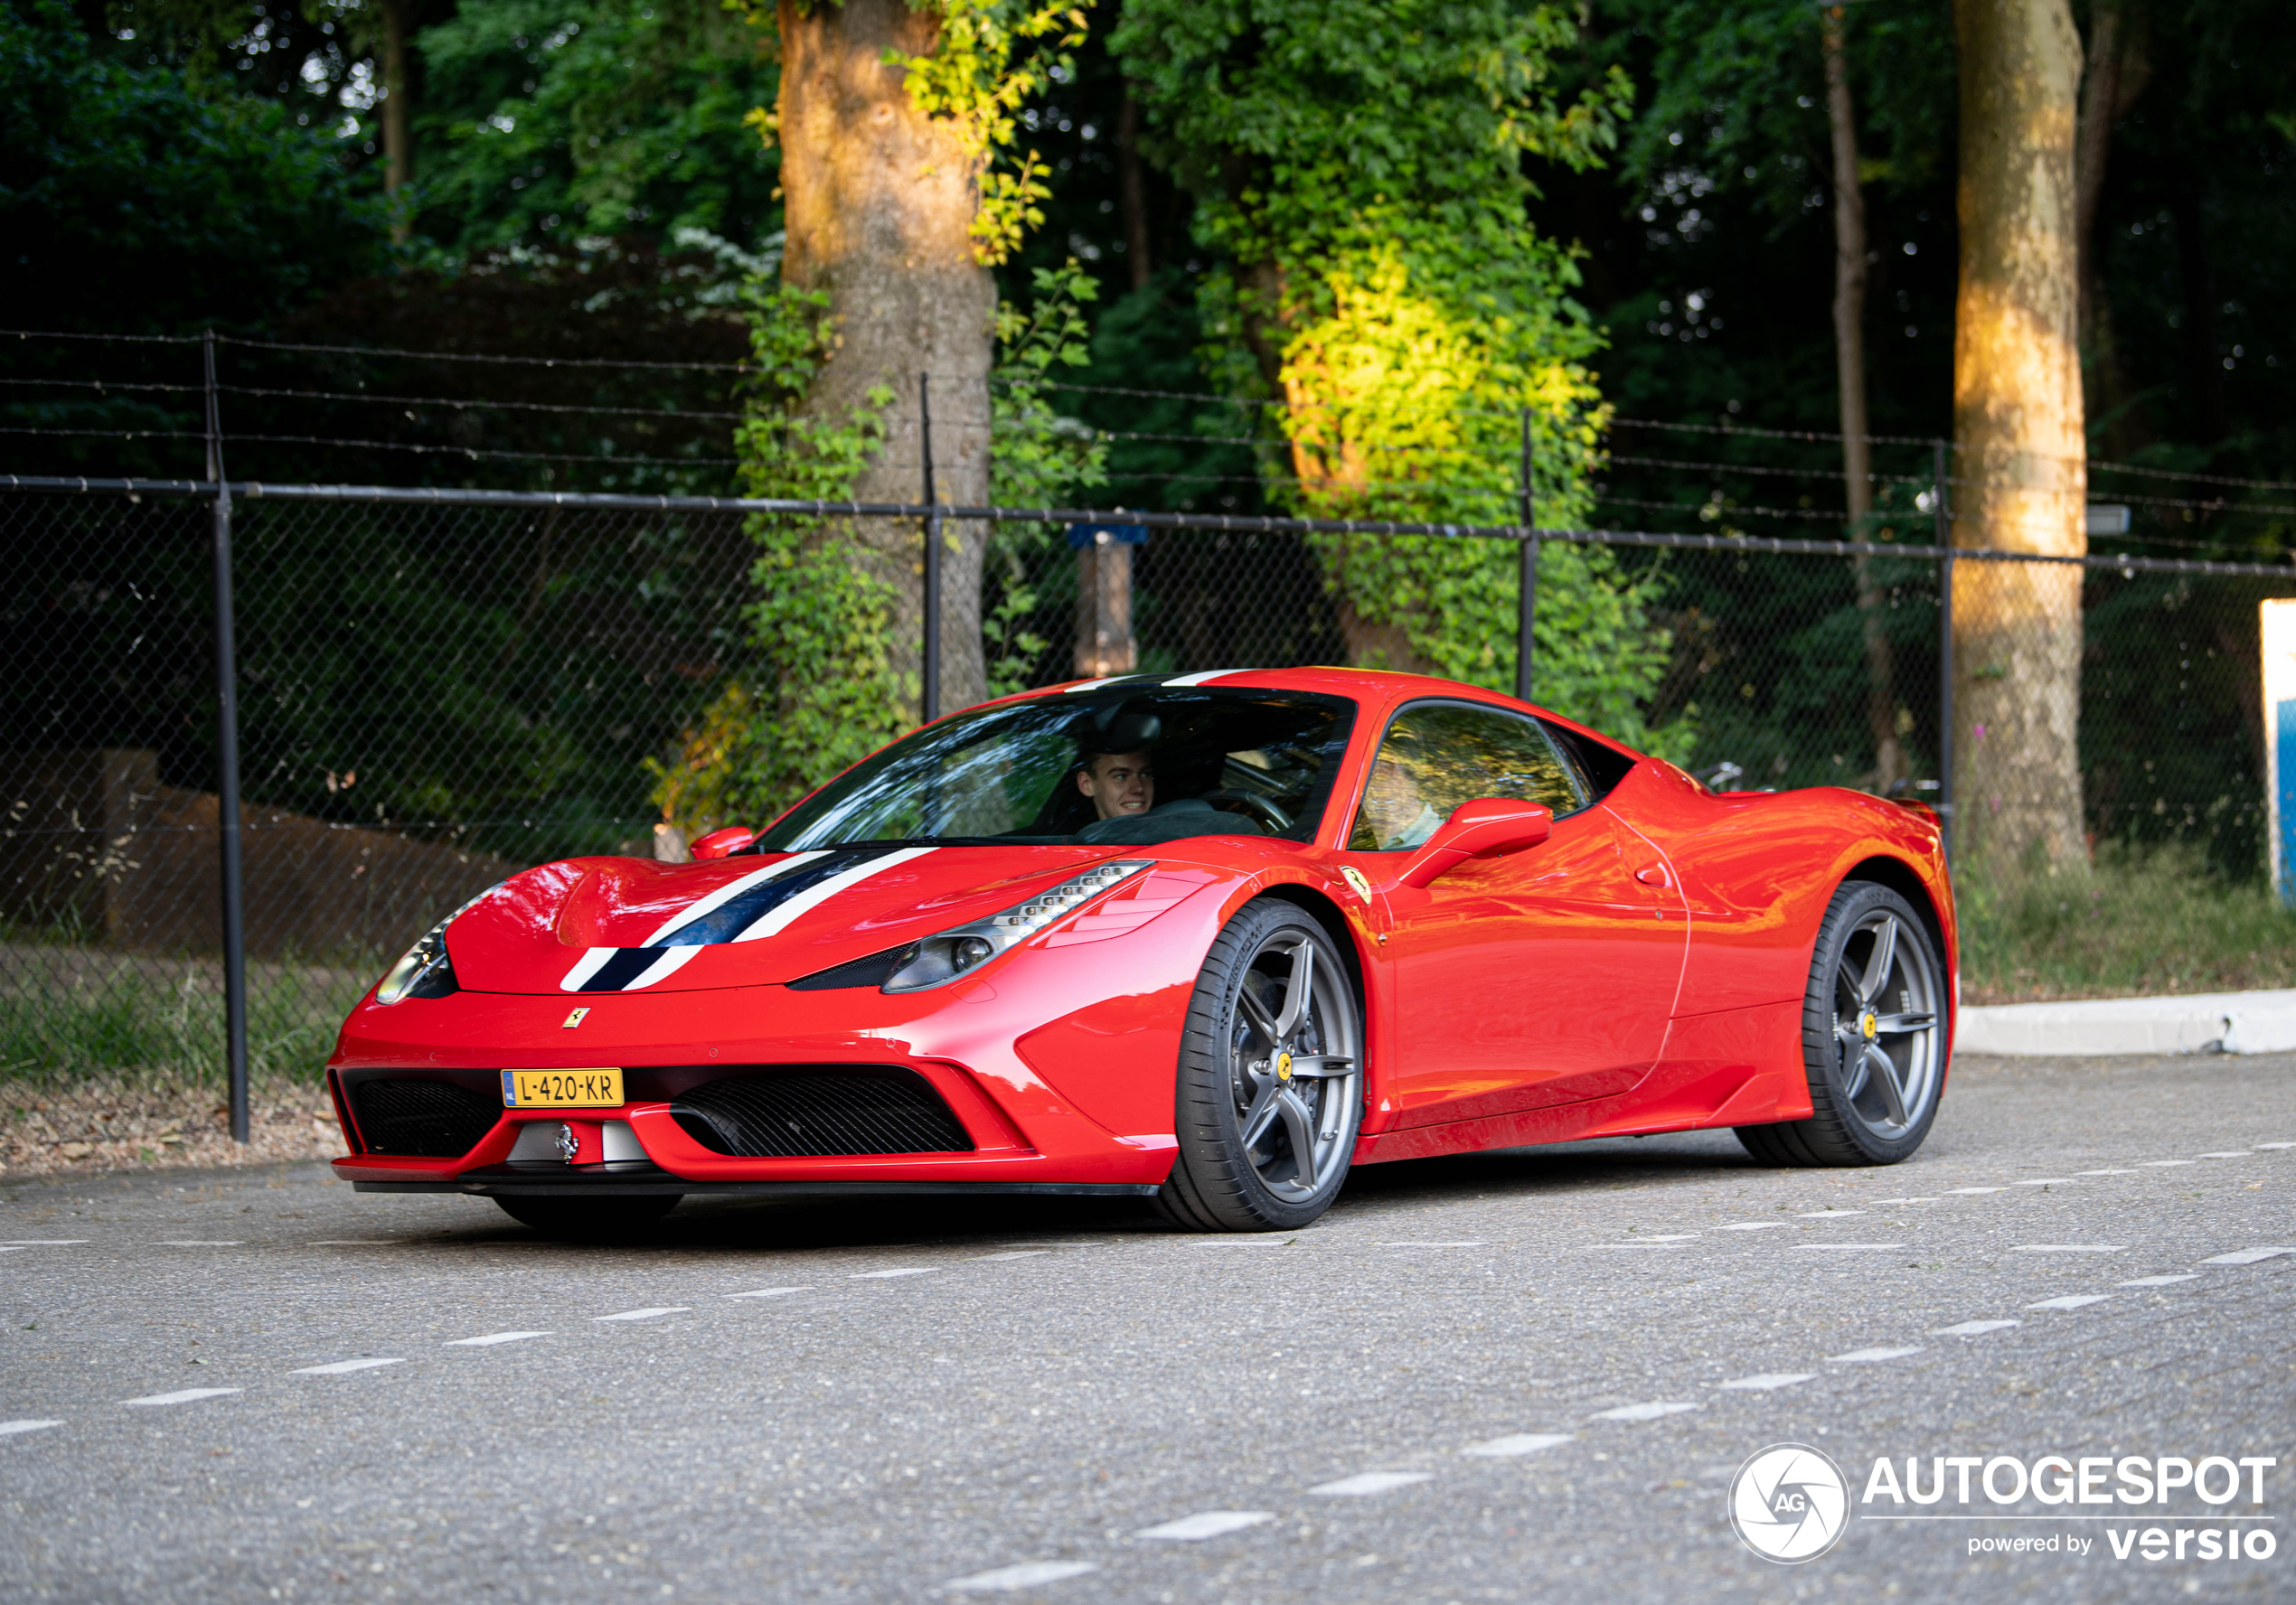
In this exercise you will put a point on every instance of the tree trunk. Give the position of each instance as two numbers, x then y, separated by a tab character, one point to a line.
1849	368
2017	428
398	141
879	199
1134	193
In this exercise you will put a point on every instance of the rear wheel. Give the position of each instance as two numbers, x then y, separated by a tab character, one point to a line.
1873	1038
589	1220
1271	1078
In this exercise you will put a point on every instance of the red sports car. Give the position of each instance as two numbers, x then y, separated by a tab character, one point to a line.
1207	939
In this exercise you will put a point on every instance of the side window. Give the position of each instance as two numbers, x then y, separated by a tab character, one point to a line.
1438	755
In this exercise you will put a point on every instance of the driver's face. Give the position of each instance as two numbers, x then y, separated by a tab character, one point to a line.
1118	784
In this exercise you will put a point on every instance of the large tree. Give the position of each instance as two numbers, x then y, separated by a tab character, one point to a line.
2019	447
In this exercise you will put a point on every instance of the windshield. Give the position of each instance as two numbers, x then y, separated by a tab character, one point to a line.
1128	765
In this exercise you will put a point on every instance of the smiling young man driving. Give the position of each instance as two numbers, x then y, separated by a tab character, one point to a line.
1118	784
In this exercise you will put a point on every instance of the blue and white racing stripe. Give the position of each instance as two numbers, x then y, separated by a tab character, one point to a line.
750	909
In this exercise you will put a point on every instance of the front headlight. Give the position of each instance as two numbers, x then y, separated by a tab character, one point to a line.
940	959
425	970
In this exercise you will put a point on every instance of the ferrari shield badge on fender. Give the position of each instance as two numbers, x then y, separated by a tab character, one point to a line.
1355	878
573	1019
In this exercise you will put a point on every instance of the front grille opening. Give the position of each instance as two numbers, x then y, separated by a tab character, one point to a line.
430	1119
810	1113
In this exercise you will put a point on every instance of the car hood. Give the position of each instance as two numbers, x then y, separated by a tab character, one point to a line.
631	924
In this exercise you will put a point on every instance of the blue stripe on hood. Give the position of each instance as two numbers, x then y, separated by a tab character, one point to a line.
729	920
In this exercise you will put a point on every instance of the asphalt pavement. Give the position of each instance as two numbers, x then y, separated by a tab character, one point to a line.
1528	1376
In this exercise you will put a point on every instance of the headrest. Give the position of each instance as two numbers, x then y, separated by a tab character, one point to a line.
1116	727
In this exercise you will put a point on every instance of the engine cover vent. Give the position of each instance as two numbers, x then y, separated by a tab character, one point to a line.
811	1114
430	1119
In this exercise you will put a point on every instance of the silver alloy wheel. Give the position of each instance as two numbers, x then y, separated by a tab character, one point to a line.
1885	1024
1295	1068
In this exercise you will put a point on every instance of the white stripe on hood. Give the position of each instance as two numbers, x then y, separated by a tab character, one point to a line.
812	898
725	895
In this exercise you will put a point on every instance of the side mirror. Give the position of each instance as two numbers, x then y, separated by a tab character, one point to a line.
1485	825
722	843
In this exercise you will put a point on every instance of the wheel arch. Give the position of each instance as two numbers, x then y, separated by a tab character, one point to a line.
1327	914
1902	878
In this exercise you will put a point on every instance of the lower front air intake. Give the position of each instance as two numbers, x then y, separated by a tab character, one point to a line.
808	1114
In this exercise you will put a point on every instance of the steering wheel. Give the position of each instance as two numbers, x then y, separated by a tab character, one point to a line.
1253	804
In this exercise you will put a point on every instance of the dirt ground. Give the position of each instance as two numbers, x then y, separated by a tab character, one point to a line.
117	1125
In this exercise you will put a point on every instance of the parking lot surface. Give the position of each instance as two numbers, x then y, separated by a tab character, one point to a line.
1528	1375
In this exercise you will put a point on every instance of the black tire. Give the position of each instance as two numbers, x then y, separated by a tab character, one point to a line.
590	1220
1302	1085
1874	1045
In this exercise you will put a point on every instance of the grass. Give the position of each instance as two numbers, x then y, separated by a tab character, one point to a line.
71	1013
2140	922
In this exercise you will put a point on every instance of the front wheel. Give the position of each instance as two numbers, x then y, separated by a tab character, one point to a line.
1873	1038
1271	1078
589	1220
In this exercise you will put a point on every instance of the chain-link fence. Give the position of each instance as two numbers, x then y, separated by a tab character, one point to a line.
437	687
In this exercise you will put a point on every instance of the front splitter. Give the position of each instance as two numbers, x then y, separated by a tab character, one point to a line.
629	1180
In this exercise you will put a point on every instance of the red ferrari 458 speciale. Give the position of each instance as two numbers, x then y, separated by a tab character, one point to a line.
1207	939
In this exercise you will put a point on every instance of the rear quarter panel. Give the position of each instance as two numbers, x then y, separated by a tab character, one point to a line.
1757	870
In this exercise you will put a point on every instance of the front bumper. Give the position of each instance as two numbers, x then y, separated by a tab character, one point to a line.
631	1180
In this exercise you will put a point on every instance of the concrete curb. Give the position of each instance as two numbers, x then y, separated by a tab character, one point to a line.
2205	1022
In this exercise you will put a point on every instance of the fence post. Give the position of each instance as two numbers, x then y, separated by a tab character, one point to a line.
1941	510
1527	589
929	669
227	756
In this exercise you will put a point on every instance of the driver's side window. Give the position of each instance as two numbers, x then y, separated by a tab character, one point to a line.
1438	755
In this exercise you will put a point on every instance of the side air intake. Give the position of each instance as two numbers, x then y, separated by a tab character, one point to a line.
430	1119
809	1114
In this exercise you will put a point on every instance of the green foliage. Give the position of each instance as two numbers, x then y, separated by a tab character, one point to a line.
993	57
545	119
130	202
1041	458
1361	167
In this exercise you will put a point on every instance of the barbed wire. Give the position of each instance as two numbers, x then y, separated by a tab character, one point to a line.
464	405
475	452
106	384
121	339
383	350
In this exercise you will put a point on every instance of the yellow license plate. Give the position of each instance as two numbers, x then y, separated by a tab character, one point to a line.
561	1088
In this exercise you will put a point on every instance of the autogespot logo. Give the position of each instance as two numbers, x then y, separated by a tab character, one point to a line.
1788	1503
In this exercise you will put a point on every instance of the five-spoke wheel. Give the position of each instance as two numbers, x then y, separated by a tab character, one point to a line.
1873	1038
1271	1077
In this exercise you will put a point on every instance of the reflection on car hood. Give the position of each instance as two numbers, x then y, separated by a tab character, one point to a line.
630	924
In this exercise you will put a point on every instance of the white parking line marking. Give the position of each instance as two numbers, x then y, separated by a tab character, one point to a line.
1016	1253
2108	1173
1639	1412
2164	1164
645	1315
343	1367
2068	1248
1026	1575
1827	1215
1974	1328
769	1292
8	1427
492	1338
1207	1524
2232	1153
2246	1256
1518	1443
1850	1247
883	1275
1239	1239
1905	1200
1750	1226
2158	1282
2049	1181
1476	1243
1364	1484
1768	1381
2276	1145
1959	1191
45	1241
355	1243
1866	1357
1655	1237
2071	1301
199	1243
182	1396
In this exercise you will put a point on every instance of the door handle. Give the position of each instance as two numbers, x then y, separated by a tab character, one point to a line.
1655	874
